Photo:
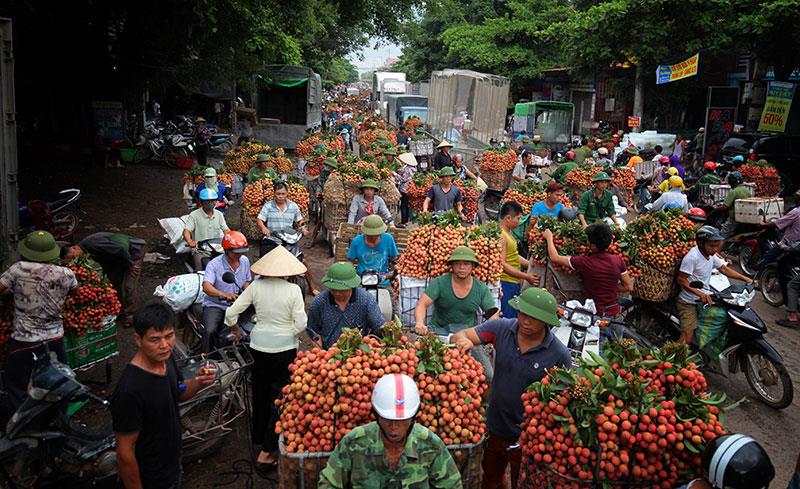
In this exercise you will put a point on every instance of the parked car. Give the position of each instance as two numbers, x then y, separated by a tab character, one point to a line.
780	150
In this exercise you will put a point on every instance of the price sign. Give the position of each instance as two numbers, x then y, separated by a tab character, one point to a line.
634	121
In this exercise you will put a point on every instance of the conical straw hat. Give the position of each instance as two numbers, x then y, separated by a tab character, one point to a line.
278	263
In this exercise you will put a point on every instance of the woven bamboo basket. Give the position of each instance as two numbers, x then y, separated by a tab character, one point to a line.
654	285
497	180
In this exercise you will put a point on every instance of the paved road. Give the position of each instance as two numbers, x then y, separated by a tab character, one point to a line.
777	431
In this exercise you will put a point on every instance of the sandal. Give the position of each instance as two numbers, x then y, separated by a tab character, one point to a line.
265	469
787	323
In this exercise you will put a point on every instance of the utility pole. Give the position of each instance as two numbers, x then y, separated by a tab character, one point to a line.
638	96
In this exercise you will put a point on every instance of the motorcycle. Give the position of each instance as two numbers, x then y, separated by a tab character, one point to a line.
774	279
65	219
753	248
744	344
209	249
43	447
223	336
291	241
221	143
209	416
579	329
371	281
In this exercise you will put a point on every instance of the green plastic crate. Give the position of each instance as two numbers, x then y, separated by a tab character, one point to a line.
92	346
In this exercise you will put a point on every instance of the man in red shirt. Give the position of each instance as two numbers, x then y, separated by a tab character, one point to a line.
604	275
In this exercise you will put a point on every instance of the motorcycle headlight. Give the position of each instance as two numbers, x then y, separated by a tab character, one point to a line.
581	319
369	280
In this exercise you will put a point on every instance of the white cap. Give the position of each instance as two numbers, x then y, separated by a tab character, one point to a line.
602	151
395	397
702	129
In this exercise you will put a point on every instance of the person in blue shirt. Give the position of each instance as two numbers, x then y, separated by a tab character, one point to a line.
210	182
374	249
552	204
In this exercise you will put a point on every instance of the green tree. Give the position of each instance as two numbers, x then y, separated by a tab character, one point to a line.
644	34
516	44
340	70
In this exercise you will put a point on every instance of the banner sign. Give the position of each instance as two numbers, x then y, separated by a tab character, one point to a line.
634	121
111	117
719	127
670	73
776	107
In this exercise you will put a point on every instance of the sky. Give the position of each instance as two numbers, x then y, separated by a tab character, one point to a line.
374	58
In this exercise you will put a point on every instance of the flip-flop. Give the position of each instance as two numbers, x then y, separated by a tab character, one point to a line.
788	324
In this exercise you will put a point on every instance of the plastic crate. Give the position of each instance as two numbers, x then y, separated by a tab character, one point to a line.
412	288
93	346
757	210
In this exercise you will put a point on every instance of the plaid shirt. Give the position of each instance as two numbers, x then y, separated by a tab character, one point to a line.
277	220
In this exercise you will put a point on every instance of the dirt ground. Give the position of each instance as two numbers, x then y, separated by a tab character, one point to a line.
131	200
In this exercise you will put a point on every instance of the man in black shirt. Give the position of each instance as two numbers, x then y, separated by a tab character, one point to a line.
144	407
121	257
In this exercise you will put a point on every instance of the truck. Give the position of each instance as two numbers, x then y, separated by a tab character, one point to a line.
9	210
288	102
467	109
378	79
550	119
401	107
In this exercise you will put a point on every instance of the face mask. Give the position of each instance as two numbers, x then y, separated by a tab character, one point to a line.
207	206
211	182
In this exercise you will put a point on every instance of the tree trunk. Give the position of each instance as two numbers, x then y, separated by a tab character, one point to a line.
638	97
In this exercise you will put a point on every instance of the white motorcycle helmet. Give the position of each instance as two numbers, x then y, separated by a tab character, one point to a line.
395	397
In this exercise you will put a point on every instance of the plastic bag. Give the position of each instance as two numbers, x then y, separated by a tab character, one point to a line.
712	328
181	291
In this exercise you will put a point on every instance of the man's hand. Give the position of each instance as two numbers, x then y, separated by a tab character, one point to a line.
206	375
533	279
191	243
392	228
304	230
464	344
237	334
135	270
547	234
265	232
706	298
230	296
421	329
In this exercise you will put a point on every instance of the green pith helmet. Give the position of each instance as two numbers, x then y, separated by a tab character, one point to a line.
390	151
463	253
370	183
373	225
262	158
39	246
447	172
601	177
538	304
341	276
331	162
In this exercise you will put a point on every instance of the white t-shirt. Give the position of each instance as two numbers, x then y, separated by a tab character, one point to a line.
699	269
519	170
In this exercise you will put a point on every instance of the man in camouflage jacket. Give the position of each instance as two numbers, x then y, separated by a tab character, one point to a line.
393	452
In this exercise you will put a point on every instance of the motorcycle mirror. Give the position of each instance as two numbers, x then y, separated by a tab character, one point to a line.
228	278
489	313
696	284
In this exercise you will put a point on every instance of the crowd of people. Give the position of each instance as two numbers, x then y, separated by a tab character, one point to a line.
393	450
